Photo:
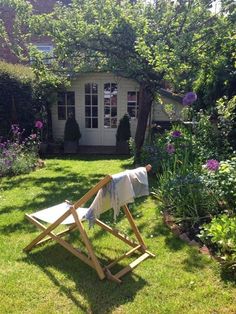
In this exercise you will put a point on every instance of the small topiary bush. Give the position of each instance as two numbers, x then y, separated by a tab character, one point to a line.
72	130
123	130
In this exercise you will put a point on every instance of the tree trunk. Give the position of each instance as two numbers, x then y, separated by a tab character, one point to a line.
146	97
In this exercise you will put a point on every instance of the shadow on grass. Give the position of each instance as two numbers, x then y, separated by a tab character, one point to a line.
53	191
98	297
228	275
195	260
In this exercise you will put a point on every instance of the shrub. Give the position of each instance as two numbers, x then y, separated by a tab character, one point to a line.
72	130
221	231
16	84
223	183
210	138
123	130
18	154
170	150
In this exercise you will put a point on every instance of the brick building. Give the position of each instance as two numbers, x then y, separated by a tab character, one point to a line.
7	15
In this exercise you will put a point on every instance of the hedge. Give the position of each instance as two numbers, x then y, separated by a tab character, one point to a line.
16	85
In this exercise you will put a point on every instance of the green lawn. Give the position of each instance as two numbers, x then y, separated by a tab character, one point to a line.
51	280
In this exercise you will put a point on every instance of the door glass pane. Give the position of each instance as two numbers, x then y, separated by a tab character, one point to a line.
88	111
113	122
94	88
87	122
107	111
107	122
94	123
94	111
87	88
113	111
87	100
94	100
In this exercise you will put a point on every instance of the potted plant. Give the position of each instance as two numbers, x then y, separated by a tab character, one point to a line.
72	135
123	135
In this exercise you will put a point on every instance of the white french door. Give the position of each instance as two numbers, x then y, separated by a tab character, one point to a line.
99	113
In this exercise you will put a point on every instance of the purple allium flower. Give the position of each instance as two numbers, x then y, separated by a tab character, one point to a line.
189	98
176	133
39	124
170	148
212	165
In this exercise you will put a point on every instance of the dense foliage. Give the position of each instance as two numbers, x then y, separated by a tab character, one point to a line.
196	173
221	231
16	99
182	42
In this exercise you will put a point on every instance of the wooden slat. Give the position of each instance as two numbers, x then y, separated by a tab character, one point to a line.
88	245
123	256
117	234
134	227
132	265
112	277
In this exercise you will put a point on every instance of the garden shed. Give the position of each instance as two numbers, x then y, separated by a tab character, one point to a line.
98	101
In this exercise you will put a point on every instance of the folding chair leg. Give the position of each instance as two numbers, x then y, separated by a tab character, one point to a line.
88	245
134	227
46	231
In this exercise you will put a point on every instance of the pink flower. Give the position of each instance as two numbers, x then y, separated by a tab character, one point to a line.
39	124
212	165
170	148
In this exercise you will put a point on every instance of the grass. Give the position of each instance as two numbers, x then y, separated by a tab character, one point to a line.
51	280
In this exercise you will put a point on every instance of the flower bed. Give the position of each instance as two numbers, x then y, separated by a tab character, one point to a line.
18	154
196	182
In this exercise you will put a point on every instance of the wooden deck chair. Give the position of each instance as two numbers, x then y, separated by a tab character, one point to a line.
71	214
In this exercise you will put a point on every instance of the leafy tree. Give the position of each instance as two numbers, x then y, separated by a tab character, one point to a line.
176	41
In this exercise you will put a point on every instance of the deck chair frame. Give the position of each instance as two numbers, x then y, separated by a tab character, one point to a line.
92	260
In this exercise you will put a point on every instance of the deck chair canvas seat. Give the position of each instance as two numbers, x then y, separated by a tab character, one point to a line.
74	214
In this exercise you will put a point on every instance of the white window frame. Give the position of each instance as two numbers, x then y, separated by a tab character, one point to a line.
135	103
46	49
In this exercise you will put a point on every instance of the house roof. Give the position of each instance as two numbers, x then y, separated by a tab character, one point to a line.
170	94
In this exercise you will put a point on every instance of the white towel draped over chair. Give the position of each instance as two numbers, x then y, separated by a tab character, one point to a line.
121	190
